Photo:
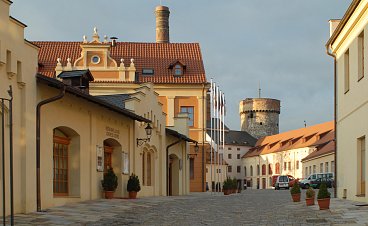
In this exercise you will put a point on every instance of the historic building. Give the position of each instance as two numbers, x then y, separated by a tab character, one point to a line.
176	69
282	154
259	116
64	138
347	46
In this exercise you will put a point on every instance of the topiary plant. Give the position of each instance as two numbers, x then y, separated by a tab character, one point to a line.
226	185
110	181
133	183
310	193
323	193
295	189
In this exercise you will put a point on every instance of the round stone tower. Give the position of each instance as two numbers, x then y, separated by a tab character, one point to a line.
162	24
260	116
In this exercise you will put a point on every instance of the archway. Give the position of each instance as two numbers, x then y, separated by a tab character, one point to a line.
173	175
112	159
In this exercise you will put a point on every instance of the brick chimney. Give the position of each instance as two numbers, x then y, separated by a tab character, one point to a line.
162	24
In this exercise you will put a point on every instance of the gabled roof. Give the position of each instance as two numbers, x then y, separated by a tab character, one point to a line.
157	56
179	135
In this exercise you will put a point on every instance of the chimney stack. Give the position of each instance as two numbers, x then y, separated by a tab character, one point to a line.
333	25
162	24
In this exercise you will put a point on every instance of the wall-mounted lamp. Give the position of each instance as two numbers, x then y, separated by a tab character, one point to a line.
196	149
141	141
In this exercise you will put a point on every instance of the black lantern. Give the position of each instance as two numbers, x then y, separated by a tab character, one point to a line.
148	130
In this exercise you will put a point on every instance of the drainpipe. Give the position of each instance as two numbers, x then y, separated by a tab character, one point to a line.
167	164
203	136
38	141
335	115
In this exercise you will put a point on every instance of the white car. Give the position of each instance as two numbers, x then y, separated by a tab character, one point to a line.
282	182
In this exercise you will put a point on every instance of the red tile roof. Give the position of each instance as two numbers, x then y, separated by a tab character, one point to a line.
157	56
293	139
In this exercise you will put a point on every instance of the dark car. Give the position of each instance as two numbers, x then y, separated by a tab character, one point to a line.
317	183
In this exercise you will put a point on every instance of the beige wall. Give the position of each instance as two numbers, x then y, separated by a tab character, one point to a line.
219	174
352	106
18	63
328	158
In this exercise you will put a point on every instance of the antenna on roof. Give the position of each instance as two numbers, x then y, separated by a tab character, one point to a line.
259	89
305	124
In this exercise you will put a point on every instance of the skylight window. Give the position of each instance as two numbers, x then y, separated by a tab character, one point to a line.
147	71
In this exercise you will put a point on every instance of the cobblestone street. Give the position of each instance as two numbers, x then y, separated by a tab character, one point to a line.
251	207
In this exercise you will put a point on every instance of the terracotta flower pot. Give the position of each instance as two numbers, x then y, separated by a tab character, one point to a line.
226	192
109	194
132	194
309	201
296	197
324	204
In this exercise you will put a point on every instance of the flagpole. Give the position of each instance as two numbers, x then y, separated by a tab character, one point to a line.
214	133
211	132
217	130
220	140
223	131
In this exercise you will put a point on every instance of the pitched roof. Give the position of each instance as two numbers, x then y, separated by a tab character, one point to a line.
77	92
156	56
233	137
116	99
324	149
304	137
179	135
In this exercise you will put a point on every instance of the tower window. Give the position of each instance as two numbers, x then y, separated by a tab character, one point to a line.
260	123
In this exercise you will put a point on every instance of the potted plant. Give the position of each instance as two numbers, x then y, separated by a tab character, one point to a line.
234	185
226	187
323	197
310	195
109	183
133	186
295	192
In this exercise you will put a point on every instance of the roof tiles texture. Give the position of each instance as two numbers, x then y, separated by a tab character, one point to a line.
305	137
157	56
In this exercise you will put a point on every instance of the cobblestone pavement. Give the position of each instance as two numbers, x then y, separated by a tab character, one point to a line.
251	207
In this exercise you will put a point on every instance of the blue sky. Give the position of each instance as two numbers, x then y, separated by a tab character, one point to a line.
279	43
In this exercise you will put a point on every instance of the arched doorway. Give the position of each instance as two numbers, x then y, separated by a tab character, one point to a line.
173	175
112	159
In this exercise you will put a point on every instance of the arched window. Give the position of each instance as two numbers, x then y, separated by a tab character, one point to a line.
277	168
270	169
251	171
66	162
147	168
245	171
264	169
178	70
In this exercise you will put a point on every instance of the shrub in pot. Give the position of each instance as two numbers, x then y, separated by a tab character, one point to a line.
323	197
109	183
133	186
295	192
310	196
226	187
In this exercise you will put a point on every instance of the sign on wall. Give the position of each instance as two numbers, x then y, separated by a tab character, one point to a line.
125	163
99	158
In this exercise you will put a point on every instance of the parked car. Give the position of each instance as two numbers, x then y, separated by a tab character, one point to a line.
282	182
317	183
292	180
305	183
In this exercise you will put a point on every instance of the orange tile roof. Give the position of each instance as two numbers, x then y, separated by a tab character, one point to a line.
158	56
322	150
293	139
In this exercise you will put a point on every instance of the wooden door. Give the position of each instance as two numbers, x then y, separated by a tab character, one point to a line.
107	158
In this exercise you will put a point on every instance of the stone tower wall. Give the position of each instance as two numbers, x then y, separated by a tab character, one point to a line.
260	116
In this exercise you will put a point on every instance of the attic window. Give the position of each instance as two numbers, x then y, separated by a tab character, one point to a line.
178	70
95	59
147	71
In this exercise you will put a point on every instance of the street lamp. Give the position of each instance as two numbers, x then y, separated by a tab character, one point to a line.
148	130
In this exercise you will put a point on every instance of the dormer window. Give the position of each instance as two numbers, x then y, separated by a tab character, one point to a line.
147	71
178	70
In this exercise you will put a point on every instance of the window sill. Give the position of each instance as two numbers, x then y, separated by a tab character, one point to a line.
361	195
